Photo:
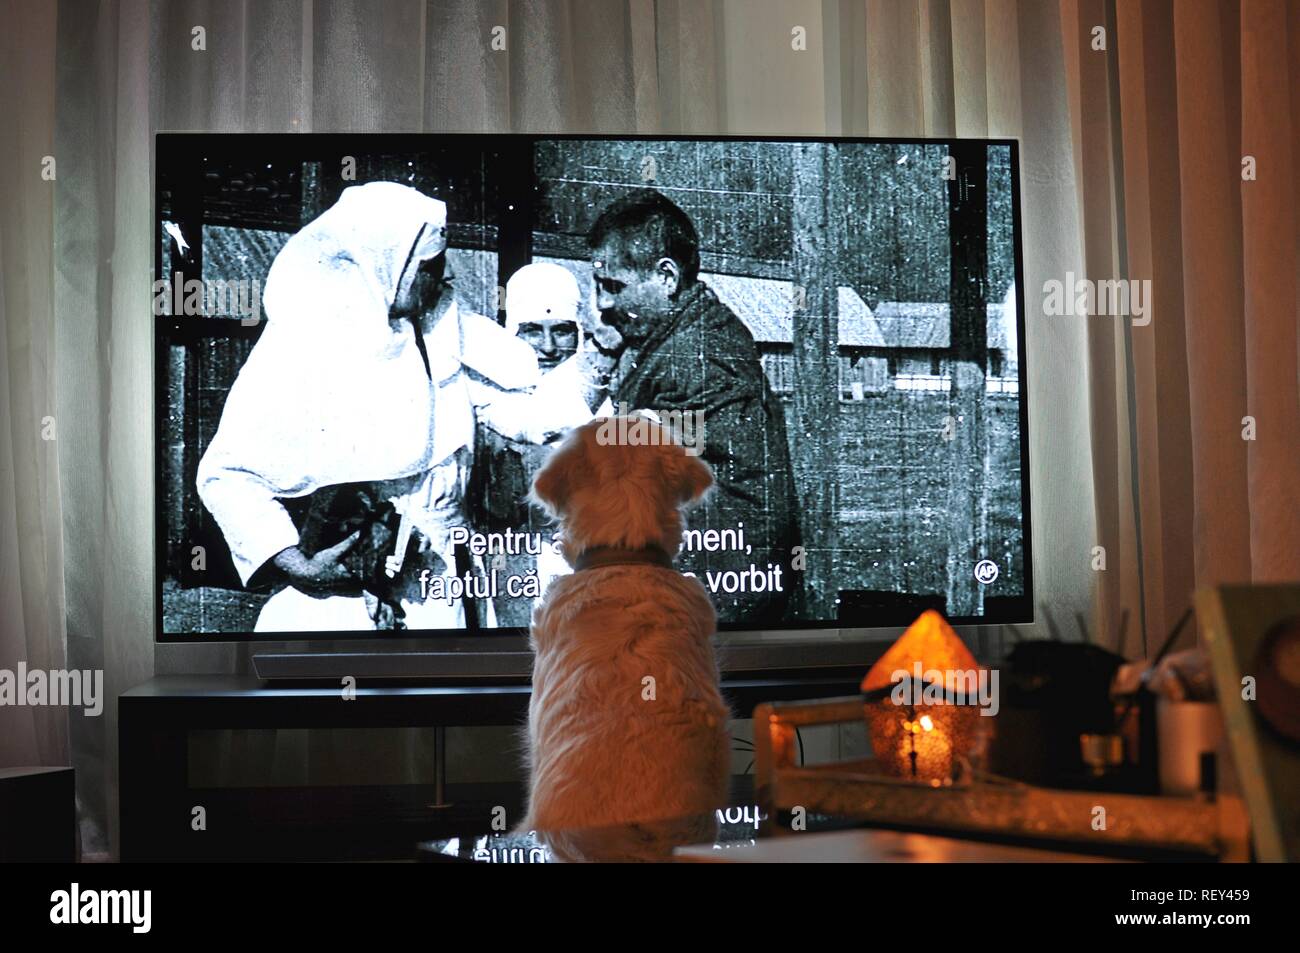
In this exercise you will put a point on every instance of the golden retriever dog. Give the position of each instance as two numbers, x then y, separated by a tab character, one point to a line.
626	725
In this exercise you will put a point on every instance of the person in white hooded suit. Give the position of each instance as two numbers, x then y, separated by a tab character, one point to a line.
366	373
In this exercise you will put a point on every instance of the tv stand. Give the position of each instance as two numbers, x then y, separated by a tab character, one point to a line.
336	823
507	660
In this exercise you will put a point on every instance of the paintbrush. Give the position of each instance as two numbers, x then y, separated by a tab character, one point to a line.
1164	650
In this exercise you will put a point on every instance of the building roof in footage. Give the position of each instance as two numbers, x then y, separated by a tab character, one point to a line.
766	307
924	324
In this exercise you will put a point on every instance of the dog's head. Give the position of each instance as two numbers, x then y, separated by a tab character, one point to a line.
620	481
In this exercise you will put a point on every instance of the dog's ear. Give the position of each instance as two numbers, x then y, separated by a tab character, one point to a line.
556	480
689	475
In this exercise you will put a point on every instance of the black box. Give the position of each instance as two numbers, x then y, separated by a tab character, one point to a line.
38	815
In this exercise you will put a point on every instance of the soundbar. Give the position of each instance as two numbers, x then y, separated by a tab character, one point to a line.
513	664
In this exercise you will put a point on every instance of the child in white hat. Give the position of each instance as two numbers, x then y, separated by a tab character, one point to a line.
544	308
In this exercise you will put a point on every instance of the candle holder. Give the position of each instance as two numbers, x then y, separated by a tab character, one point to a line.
921	721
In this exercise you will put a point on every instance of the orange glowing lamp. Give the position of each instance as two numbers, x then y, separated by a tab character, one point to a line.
919	725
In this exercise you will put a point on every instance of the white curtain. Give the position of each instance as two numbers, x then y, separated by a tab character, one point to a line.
89	83
31	540
1186	130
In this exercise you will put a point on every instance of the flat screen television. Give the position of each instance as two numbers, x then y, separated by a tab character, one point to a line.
365	345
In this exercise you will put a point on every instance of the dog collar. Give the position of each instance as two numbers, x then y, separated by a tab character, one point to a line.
600	556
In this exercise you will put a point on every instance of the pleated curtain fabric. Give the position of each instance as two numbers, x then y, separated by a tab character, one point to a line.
31	510
1185	130
1131	163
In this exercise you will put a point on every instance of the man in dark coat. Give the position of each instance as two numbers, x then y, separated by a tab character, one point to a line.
685	351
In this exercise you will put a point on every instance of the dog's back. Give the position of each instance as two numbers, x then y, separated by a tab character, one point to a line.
626	722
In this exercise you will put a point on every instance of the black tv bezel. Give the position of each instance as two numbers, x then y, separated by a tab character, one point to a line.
511	638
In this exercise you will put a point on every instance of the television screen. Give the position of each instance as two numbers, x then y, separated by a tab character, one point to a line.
366	346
